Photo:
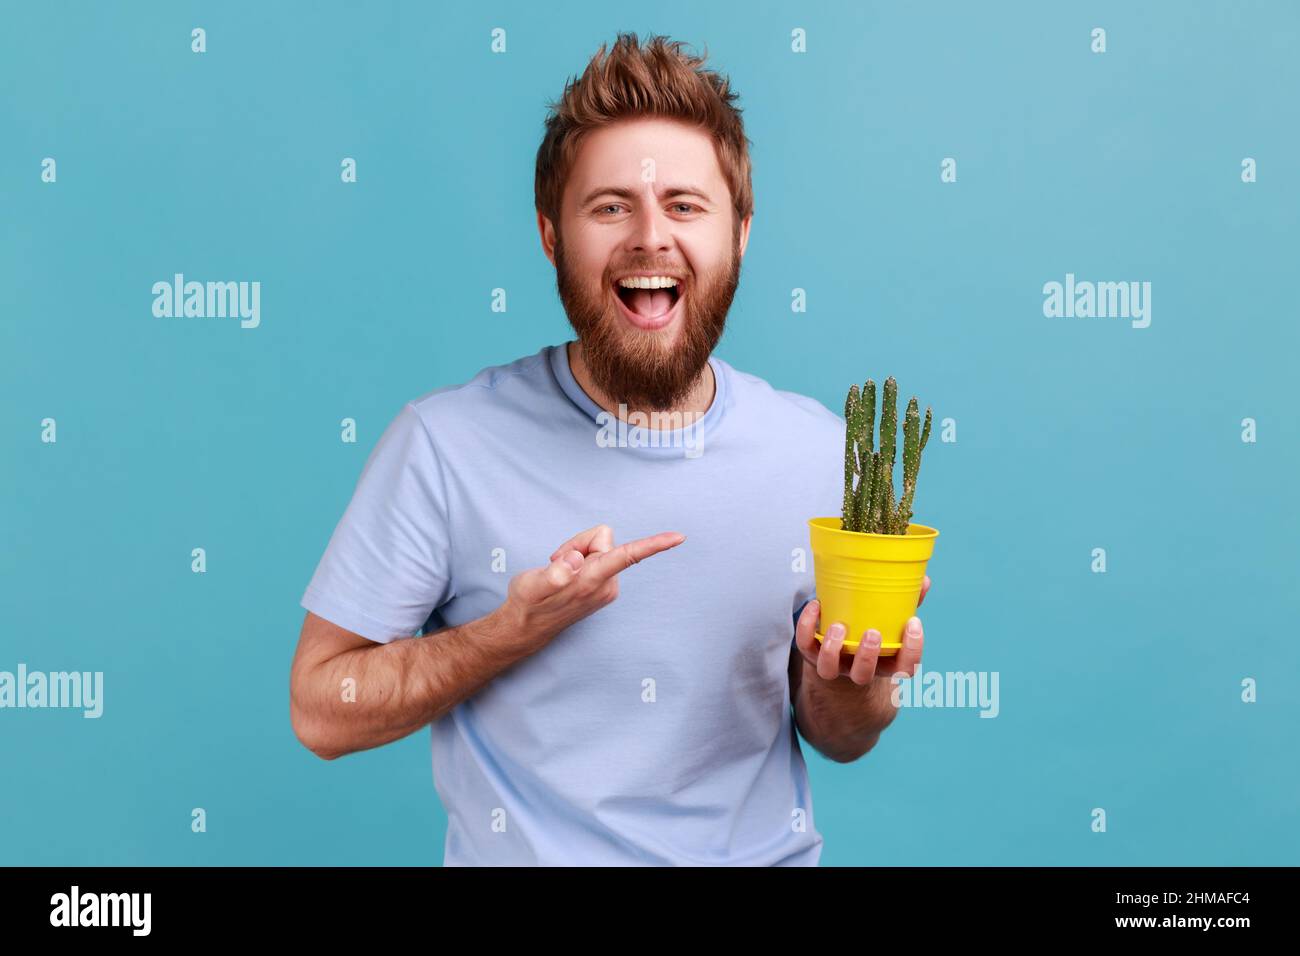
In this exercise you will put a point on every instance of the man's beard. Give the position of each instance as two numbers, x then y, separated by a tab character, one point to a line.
636	367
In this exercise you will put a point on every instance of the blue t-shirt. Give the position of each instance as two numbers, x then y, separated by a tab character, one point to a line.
659	729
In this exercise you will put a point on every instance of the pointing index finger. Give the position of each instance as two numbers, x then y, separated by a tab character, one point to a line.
609	563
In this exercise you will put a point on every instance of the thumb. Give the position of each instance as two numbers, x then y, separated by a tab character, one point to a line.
537	584
562	570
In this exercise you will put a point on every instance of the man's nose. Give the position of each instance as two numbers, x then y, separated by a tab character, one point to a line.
651	229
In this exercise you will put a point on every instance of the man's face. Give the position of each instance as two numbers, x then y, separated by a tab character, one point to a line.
646	197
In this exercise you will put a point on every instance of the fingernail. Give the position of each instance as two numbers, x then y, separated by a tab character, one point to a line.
914	625
836	632
573	560
873	638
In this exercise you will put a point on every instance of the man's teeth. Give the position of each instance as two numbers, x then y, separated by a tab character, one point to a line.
648	282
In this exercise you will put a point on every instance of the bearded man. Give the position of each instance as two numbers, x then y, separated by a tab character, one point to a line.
480	582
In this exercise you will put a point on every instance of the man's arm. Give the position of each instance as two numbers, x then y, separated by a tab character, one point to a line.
399	687
396	688
841	719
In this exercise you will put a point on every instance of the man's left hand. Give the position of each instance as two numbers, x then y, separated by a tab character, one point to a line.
831	662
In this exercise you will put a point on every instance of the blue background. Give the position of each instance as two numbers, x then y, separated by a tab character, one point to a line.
1118	690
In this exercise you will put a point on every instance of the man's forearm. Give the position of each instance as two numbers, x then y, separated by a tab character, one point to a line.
843	720
369	696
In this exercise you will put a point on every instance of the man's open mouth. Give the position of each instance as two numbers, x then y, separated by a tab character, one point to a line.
649	298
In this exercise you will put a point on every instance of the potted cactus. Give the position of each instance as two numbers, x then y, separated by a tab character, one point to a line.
869	563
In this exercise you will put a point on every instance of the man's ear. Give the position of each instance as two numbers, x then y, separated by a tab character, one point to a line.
547	231
744	233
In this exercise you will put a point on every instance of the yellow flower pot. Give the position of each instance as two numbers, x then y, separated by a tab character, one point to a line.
868	580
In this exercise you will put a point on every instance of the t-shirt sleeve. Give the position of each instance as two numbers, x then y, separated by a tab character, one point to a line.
388	563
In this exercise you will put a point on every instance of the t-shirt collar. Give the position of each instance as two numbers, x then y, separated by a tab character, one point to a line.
671	441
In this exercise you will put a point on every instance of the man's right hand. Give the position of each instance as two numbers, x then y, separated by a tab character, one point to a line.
582	577
404	684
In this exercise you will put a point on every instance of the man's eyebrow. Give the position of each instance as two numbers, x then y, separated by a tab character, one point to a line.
665	192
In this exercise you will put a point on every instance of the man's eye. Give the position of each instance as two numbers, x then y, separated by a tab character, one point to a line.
682	206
